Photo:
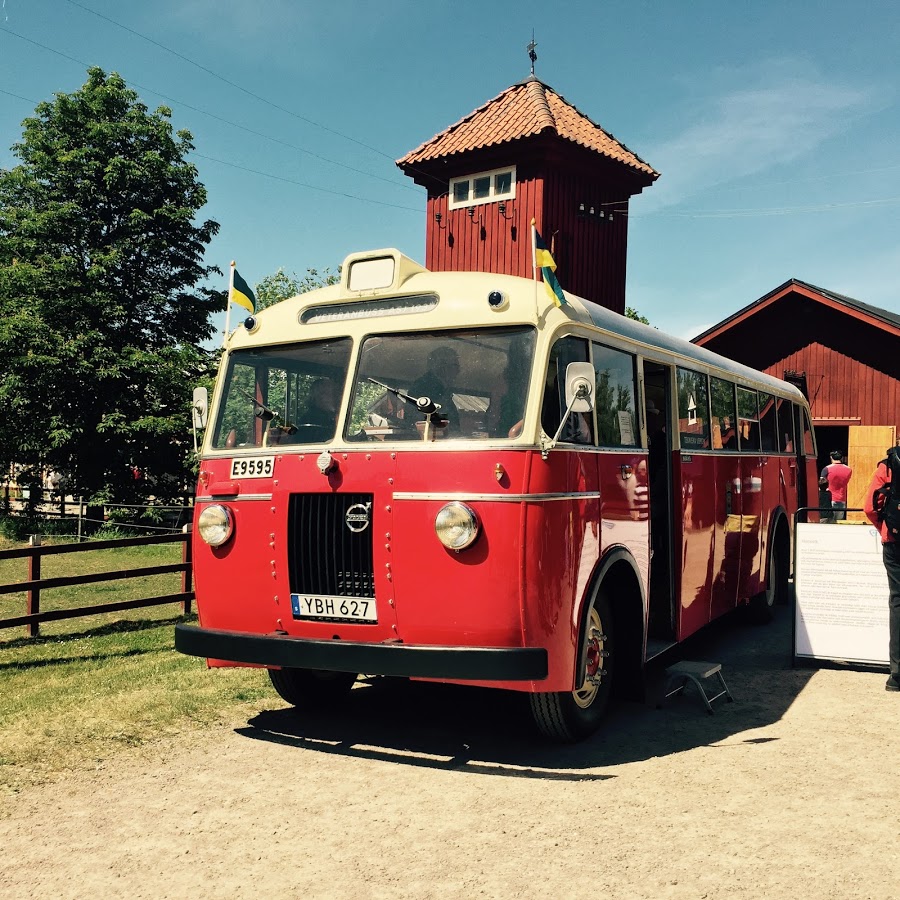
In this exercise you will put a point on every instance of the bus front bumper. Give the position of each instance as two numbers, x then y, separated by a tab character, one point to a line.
404	660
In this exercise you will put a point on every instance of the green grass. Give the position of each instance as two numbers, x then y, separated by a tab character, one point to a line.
87	687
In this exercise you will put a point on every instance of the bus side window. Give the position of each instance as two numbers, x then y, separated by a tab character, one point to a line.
580	428
785	426
748	419
768	423
693	410
809	443
615	393
723	420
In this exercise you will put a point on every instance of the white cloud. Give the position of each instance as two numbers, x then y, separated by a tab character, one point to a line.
767	115
241	19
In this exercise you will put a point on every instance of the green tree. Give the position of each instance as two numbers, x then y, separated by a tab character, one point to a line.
102	322
632	313
280	285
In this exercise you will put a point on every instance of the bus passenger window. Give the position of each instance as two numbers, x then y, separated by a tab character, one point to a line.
809	444
785	425
614	393
768	424
723	420
579	428
748	419
693	410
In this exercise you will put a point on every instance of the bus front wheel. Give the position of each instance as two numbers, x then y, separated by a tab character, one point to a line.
569	716
311	688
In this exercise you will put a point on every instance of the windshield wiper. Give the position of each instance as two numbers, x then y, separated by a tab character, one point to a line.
424	405
267	414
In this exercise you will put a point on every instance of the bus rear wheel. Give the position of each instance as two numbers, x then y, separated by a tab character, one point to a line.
569	716
311	688
762	606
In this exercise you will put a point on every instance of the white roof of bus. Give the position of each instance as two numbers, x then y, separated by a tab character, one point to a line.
463	303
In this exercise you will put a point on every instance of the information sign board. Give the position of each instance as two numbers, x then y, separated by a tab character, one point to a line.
841	589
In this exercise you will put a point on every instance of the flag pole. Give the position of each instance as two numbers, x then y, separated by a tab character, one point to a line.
228	304
534	262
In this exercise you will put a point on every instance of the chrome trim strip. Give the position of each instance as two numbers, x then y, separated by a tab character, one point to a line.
501	498
231	498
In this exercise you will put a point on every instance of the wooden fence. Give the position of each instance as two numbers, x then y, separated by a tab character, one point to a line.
35	584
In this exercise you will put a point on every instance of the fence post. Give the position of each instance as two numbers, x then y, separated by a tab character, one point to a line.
80	514
187	576
34	594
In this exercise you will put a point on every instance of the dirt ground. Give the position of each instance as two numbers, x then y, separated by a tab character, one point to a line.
427	791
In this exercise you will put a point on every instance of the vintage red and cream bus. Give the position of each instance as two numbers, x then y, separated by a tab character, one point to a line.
447	476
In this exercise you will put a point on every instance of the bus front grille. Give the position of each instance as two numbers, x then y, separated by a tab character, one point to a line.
330	545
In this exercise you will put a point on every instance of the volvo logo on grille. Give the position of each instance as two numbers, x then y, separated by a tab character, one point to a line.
358	516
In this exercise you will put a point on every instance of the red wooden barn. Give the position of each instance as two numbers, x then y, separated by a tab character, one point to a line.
528	153
847	353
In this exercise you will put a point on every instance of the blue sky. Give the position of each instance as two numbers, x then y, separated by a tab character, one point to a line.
775	127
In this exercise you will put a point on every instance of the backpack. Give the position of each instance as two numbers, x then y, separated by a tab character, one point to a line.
886	499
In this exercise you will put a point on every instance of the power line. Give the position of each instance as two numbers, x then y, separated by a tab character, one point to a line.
755	186
219	118
306	185
224	162
769	211
227	81
19	97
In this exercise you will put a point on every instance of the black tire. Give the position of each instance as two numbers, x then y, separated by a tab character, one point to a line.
569	716
762	607
311	688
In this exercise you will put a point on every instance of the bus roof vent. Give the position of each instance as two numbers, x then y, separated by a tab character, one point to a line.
377	270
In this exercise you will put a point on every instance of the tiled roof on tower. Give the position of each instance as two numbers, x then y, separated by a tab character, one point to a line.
526	109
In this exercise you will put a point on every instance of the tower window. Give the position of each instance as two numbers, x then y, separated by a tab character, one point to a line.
483	187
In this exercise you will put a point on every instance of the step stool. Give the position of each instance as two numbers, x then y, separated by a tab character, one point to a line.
681	673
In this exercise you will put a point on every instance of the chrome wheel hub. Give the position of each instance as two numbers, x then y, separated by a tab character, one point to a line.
595	654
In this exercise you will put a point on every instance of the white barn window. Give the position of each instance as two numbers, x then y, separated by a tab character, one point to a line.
483	187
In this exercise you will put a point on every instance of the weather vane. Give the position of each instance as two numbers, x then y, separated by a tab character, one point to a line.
532	55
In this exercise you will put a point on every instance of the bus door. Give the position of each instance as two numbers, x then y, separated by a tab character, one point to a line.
623	471
752	474
807	473
728	486
698	500
786	444
657	397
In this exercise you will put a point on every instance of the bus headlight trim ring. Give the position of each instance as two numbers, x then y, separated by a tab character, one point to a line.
215	524
456	526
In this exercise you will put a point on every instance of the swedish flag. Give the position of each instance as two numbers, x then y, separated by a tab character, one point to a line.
241	293
544	260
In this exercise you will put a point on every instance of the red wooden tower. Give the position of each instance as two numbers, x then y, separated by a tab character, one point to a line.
528	153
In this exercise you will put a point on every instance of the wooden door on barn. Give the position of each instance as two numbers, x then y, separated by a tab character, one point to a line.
866	447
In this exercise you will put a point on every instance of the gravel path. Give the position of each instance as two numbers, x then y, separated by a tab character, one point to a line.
431	791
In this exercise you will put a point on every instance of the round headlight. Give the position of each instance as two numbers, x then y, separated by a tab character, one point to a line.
456	526
215	524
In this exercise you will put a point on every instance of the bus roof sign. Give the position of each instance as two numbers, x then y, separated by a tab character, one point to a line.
378	270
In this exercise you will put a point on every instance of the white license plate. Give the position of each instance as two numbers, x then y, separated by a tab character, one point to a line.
253	467
351	609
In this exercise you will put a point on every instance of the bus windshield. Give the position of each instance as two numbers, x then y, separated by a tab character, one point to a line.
281	395
477	377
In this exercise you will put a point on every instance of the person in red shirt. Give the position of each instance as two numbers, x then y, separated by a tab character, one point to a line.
836	477
891	556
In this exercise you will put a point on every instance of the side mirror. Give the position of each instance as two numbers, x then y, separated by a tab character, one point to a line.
200	407
579	387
